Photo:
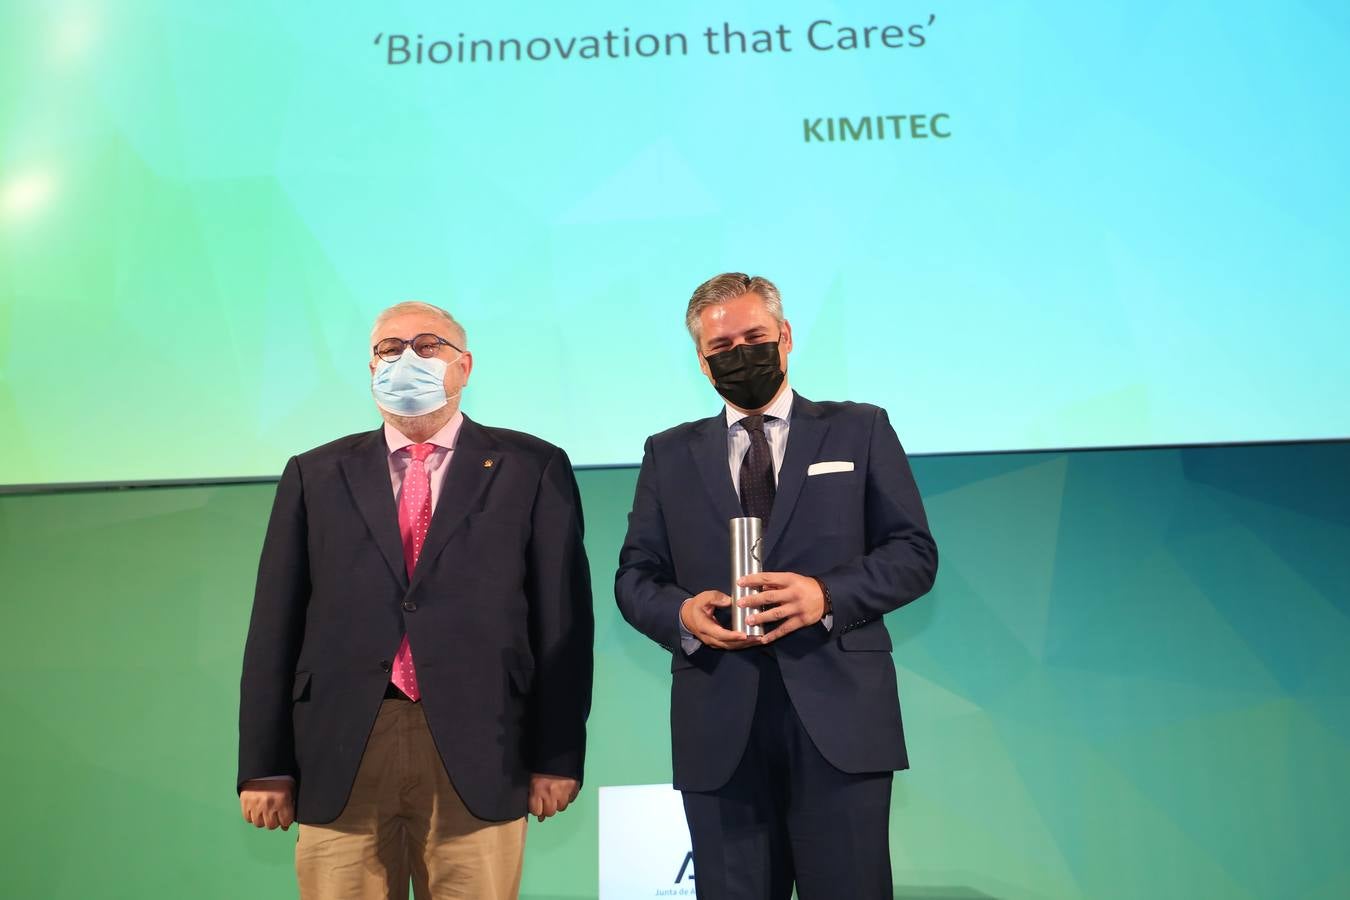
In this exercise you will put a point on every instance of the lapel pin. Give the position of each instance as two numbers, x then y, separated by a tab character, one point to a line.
487	463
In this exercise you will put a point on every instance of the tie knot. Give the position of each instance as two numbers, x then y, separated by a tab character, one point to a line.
755	424
420	452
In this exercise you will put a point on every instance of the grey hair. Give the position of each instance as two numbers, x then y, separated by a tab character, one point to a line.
457	333
728	286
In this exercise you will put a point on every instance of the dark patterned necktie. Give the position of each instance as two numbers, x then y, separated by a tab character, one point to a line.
757	483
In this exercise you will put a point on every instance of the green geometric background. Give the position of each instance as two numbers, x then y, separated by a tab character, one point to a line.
1131	681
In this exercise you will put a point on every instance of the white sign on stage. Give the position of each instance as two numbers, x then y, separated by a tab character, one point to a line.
644	843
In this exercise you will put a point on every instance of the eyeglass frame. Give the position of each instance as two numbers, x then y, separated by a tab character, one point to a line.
440	342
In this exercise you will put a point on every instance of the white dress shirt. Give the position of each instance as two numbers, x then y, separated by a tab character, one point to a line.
775	429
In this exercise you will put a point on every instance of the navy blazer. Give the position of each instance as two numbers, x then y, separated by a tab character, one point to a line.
498	615
862	532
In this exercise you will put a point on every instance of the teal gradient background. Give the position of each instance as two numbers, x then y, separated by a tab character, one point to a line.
1135	235
1130	682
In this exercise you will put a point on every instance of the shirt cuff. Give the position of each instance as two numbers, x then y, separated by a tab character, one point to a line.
688	643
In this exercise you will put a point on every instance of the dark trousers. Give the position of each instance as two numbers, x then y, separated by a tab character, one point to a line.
789	816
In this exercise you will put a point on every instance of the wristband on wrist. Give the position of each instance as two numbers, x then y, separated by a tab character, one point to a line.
829	606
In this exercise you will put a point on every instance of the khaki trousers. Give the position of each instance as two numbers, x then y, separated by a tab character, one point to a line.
405	822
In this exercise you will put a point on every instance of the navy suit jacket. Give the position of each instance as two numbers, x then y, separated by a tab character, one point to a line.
498	615
862	532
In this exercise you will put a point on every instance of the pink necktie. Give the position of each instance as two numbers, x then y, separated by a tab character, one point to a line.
414	517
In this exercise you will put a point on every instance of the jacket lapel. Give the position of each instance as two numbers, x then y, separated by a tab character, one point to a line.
367	474
473	465
709	448
805	433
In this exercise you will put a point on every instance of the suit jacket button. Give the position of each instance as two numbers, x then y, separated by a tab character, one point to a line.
384	665
409	606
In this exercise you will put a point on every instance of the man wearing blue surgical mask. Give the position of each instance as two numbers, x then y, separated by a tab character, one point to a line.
418	668
417	376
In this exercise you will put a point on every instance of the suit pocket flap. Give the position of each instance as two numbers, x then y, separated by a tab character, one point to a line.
872	636
300	687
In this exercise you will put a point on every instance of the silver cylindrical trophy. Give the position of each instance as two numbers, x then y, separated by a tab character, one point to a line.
747	533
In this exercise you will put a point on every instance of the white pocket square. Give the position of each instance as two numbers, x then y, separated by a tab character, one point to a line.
825	468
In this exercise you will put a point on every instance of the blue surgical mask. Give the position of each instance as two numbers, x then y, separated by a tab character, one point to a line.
410	385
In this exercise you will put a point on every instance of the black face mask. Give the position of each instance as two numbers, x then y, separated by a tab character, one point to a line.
747	376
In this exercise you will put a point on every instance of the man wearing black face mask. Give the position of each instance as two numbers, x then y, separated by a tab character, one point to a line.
784	745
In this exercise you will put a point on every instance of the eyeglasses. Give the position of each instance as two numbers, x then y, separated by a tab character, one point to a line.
424	345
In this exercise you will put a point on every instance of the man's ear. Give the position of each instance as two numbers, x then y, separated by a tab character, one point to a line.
703	363
785	341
